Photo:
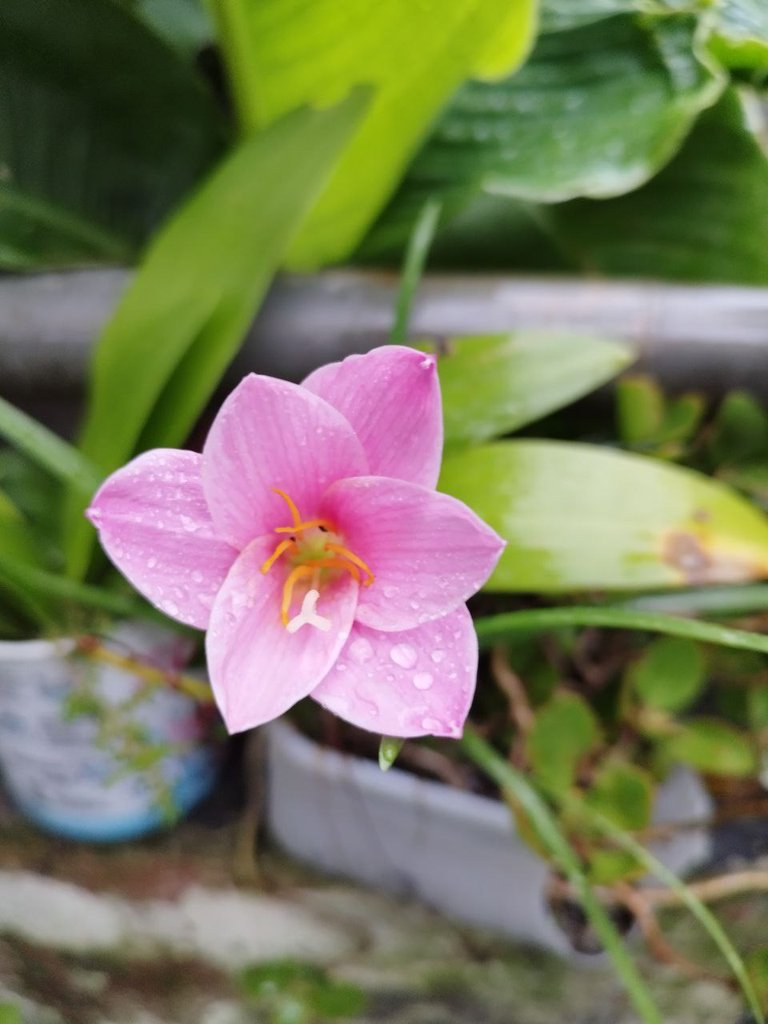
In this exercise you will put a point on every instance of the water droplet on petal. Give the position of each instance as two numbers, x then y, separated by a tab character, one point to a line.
361	650
437	656
404	655
423	680
390	591
151	563
431	725
197	576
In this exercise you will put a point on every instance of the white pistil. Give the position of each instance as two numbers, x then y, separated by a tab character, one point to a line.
308	616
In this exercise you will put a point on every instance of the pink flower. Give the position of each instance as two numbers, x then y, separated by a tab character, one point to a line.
309	541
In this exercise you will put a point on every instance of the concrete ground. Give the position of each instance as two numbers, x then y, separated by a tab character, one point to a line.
159	932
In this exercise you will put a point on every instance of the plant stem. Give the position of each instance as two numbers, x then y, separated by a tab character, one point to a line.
188	685
413	265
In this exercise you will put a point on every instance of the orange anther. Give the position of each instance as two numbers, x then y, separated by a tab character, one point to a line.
353	558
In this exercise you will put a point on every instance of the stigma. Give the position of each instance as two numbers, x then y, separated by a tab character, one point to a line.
316	553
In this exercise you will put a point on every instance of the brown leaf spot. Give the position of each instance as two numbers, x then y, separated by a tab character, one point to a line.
700	562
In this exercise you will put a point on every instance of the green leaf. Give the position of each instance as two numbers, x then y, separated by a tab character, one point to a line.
595	111
640	409
695	221
186	312
183	24
413	266
102	130
494	384
623	793
62	460
757	706
495	628
739	37
520	793
669	675
565	730
757	967
10	1014
337	999
389	748
414	55
577	516
740	430
713	746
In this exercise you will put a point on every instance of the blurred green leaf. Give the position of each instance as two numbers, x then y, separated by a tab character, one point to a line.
640	408
10	1014
695	221
58	458
752	479
623	793
184	24
102	130
595	111
561	15
337	999
713	746
494	384
739	36
183	317
576	516
739	431
669	675
414	55
757	706
757	968
564	730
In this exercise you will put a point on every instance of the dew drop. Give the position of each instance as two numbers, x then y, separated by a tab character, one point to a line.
197	576
404	655
423	680
361	650
151	563
390	591
431	725
437	656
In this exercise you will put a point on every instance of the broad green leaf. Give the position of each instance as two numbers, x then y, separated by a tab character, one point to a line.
740	430
697	220
595	111
281	55
494	384
669	675
564	730
186	312
739	36
713	746
102	130
623	793
18	544
62	460
578	516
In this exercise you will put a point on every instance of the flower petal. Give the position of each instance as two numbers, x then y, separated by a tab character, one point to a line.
427	551
391	396
416	683
272	434
257	668
154	524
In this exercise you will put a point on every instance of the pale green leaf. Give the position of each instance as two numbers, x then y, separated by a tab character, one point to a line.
578	516
102	130
740	34
564	730
494	384
282	54
622	792
713	746
186	312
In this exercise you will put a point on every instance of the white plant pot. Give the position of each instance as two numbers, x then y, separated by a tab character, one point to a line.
54	769
453	850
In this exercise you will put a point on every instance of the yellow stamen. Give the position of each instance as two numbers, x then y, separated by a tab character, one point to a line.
353	558
291	505
290	583
284	545
298	527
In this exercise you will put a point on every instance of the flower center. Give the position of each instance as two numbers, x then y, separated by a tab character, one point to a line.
316	553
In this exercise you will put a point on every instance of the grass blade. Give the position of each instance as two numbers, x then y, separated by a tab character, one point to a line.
492	629
413	267
518	787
